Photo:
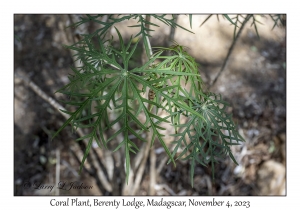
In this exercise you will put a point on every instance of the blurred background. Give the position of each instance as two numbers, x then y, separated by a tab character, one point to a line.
253	83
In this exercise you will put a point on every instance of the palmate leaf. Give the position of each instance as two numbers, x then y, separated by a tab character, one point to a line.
181	61
120	84
184	67
209	140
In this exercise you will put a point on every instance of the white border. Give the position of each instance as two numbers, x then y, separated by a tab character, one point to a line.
154	6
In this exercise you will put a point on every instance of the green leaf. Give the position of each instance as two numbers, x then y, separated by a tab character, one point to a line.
191	17
87	150
146	45
229	19
205	20
83	105
119	146
153	125
232	158
70	119
115	134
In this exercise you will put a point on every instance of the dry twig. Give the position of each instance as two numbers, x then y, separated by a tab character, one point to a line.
59	107
229	52
57	172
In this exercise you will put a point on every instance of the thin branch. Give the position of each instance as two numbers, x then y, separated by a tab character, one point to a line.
69	168
72	28
147	38
141	169
100	173
152	172
59	107
172	32
229	52
127	188
161	165
144	54
144	152
72	151
57	171
139	157
152	182
94	170
43	95
117	181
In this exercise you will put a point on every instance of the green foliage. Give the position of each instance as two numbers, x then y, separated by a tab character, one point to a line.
209	139
142	23
225	16
203	131
278	19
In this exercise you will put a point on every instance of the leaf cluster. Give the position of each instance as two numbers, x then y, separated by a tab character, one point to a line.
142	23
203	131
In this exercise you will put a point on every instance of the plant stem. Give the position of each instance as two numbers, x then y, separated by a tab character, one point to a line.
172	32
152	171
144	54
229	51
146	151
147	38
152	152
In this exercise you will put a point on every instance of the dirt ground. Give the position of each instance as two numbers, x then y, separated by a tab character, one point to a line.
254	83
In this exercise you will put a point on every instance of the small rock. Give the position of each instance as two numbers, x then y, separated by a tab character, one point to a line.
239	170
271	178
